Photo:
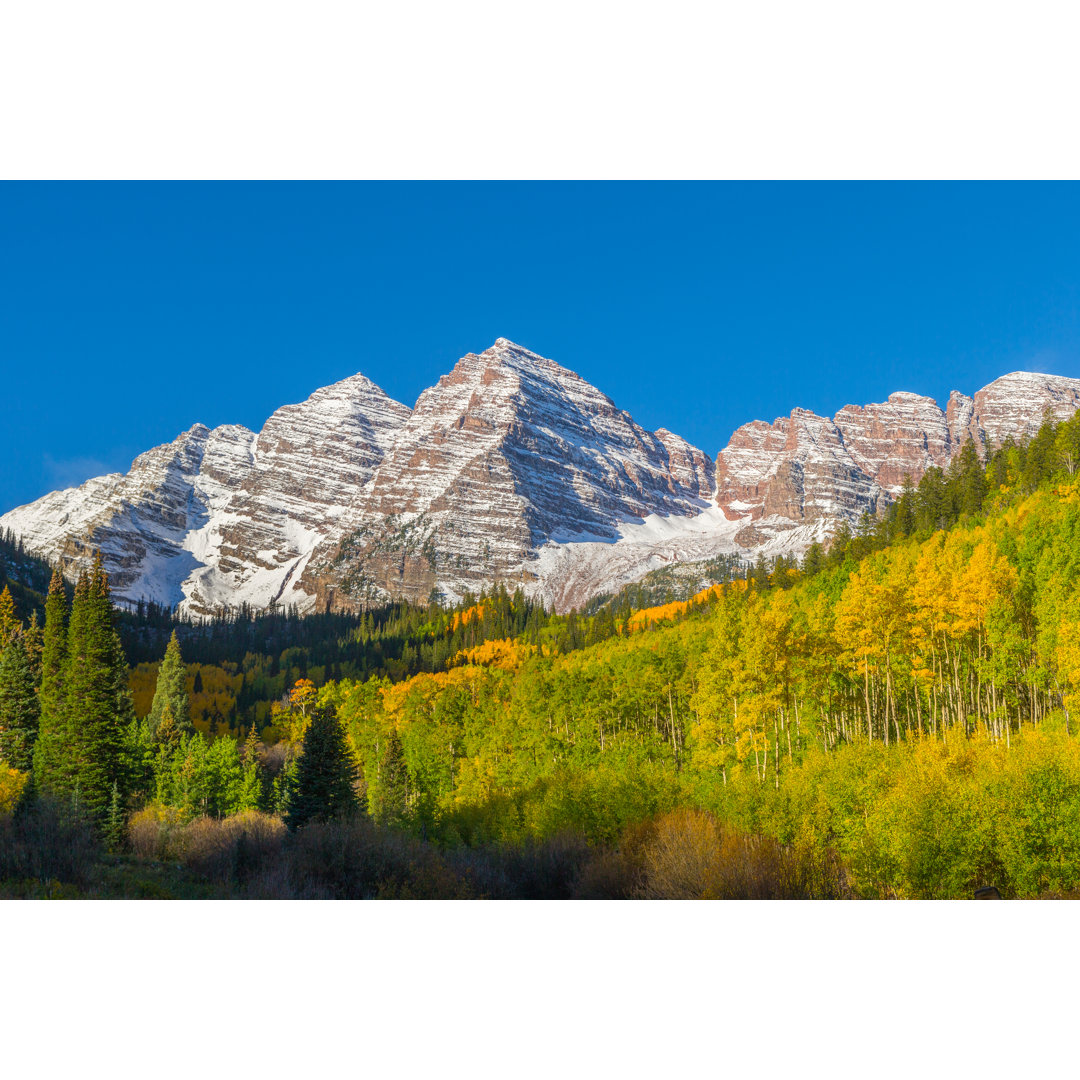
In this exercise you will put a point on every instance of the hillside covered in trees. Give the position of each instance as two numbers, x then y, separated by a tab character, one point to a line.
896	717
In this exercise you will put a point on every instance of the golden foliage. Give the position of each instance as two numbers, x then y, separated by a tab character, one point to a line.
12	783
500	653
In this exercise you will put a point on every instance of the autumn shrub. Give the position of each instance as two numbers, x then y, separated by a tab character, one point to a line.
154	832
44	841
12	784
689	855
232	849
608	875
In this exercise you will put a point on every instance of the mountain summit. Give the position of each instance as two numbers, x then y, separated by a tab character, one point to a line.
511	469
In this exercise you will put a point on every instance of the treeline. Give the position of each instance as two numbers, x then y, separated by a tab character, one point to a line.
68	729
25	576
252	659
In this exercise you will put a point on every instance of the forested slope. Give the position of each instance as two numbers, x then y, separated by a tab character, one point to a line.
897	717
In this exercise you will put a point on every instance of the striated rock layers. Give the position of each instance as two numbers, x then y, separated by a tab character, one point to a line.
508	452
805	468
216	519
510	469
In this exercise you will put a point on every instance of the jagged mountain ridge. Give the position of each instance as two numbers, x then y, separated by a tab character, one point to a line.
510	469
508	452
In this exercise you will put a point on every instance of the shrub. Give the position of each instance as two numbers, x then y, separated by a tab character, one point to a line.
153	832
231	849
45	842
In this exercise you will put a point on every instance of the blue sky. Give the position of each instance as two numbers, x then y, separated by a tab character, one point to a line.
128	312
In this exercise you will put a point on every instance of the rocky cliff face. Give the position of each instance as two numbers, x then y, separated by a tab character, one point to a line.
510	469
219	518
806	468
505	453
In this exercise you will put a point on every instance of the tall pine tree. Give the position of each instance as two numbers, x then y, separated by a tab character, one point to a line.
392	802
97	705
171	691
18	708
52	730
325	773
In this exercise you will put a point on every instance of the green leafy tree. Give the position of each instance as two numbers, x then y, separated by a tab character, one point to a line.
171	691
18	708
326	772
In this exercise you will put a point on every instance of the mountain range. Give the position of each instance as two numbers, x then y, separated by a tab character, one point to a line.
510	469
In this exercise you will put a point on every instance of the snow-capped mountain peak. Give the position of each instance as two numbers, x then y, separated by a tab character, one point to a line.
511	468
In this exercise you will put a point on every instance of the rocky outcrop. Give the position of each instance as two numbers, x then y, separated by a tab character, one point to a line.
806	468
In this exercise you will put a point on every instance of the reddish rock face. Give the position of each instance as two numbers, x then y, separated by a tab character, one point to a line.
806	468
507	452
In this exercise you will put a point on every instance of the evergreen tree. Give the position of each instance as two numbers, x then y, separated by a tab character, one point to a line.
171	691
9	625
18	708
32	639
95	705
251	791
325	773
970	480
114	822
52	741
393	787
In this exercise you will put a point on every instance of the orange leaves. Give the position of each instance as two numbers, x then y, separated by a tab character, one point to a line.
302	696
469	615
663	612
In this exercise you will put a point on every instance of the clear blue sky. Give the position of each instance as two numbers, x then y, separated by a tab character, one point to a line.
129	312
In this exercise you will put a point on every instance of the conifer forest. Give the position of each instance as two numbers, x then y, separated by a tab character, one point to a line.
894	716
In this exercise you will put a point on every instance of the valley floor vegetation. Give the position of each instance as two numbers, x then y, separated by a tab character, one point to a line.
895	717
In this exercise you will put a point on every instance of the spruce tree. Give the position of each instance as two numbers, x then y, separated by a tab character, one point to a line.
114	822
325	773
251	792
393	787
95	705
32	639
54	755
171	690
18	708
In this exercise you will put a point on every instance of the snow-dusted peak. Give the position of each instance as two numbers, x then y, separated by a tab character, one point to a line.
1014	405
511	469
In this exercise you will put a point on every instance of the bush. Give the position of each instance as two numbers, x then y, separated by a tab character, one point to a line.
153	832
688	855
43	841
231	849
356	859
535	870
